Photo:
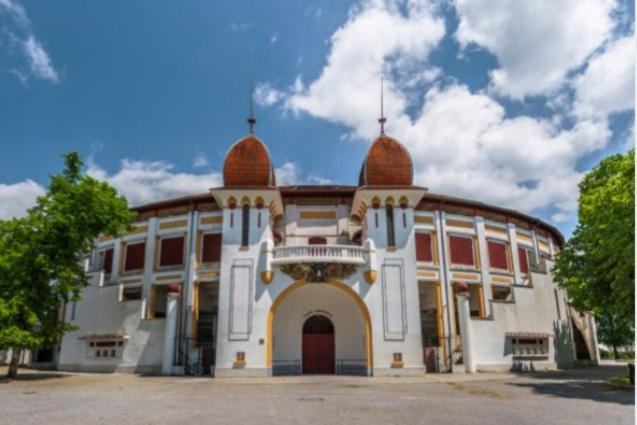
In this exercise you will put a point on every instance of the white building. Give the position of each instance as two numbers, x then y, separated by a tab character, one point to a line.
383	278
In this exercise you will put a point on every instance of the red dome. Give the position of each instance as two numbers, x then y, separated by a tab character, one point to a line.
248	164
388	163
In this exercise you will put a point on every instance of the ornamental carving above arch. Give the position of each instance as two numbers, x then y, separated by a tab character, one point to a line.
319	272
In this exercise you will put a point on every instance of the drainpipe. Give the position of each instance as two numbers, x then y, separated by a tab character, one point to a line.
443	261
188	284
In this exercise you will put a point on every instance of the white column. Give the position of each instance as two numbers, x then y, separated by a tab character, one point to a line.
464	317
513	240
445	284
169	333
592	328
117	249
536	246
484	263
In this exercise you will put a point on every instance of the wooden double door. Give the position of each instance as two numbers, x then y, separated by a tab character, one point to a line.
318	345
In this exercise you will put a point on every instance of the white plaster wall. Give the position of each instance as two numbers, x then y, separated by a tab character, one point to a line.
405	252
534	310
253	344
99	313
349	329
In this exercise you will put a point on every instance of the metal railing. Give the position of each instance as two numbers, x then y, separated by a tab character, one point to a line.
286	367
356	367
350	254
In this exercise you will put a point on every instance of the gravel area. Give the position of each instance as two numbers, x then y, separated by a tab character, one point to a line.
578	396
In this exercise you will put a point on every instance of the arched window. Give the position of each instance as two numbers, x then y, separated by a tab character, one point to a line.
391	236
245	225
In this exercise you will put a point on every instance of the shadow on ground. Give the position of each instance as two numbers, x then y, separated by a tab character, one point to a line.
583	383
31	375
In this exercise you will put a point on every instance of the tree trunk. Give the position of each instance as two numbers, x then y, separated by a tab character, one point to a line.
615	354
12	373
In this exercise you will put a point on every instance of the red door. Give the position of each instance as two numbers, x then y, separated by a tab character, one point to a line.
318	345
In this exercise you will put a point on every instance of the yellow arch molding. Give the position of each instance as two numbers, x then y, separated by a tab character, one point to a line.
369	356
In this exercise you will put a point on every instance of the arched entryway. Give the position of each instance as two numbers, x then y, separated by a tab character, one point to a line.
318	345
345	309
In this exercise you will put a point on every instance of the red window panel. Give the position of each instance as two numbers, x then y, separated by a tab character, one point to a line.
107	265
461	250
211	249
524	260
172	251
317	240
135	256
498	255
423	247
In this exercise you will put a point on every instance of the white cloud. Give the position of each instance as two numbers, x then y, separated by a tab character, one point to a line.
536	43
238	27
314	12
290	173
142	182
274	39
266	95
374	35
608	83
200	160
39	61
462	143
16	11
16	198
287	174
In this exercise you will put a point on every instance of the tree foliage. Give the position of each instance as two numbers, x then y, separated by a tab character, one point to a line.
41	254
597	265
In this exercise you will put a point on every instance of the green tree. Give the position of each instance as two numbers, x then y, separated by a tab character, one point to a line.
614	332
41	256
597	265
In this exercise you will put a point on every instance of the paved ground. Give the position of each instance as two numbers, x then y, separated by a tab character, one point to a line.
573	397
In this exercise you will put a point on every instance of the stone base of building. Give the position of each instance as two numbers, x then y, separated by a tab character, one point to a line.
400	371
520	366
247	372
143	369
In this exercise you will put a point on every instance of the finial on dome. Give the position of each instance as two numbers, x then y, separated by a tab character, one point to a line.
382	118
251	120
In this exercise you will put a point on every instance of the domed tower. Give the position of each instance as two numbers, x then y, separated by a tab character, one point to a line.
249	199
248	164
387	163
386	196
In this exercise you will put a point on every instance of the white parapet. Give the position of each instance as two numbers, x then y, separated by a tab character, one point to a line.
170	333
349	254
464	316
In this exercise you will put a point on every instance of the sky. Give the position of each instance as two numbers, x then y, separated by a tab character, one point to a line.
504	101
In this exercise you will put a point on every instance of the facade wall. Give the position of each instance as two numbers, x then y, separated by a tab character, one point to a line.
250	334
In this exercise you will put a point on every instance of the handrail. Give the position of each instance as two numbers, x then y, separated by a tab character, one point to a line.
319	253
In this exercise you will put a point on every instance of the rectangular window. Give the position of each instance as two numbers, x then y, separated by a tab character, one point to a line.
159	298
530	346
523	253
501	292
211	248
172	251
498	258
461	248
132	293
423	247
107	263
135	256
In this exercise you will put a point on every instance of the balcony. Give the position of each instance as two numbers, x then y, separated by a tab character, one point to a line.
343	254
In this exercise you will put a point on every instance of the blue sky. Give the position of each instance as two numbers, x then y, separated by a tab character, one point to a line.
506	102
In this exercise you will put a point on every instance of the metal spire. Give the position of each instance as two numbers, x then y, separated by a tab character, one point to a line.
251	120
382	118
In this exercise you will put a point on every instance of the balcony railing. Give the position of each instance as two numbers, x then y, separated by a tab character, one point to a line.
319	254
